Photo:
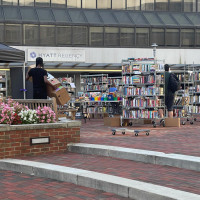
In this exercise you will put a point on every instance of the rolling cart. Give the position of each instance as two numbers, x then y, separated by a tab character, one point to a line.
136	132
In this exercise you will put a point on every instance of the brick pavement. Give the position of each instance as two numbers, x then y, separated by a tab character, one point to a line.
184	140
17	186
172	177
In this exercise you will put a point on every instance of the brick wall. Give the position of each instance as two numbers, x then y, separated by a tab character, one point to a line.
15	143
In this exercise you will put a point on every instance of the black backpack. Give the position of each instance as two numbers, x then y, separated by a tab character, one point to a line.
174	83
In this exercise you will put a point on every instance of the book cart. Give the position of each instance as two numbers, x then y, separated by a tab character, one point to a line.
184	98
96	87
196	94
143	88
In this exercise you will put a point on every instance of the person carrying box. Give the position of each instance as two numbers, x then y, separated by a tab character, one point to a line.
39	77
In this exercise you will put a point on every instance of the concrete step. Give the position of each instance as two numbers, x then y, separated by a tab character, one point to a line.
121	186
153	157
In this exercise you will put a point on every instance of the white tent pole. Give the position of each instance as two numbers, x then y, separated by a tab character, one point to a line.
24	83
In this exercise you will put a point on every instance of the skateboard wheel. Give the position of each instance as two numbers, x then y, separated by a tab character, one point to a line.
147	133
113	132
136	134
123	133
191	122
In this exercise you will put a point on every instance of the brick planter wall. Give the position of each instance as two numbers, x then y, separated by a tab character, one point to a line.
16	140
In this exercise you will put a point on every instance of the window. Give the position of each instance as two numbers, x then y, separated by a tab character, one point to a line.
127	37
111	36
172	37
1	32
64	35
47	35
26	2
74	3
142	37
118	4
13	34
58	3
31	34
80	35
10	2
133	5
147	4
89	4
104	4
161	5
187	37
175	5
45	3
198	37
189	5
96	36
158	36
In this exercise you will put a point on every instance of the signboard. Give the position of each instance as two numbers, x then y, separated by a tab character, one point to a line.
57	55
40	140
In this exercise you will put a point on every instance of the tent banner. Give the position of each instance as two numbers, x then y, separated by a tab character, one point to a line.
55	55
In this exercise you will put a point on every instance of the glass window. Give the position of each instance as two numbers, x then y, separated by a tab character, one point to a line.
172	37
44	3
198	37
158	36
31	34
10	2
58	3
187	37
127	36
142	37
118	4
1	32
74	3
161	5
80	35
104	4
26	2
147	4
111	36
96	36
64	35
89	4
13	33
175	5
133	5
47	35
190	5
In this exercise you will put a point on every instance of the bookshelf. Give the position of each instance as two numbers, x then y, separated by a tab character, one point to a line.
143	90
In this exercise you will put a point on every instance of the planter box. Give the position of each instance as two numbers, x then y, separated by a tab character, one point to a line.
37	139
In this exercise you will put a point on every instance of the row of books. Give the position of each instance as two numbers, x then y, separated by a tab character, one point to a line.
197	76
138	79
93	87
115	81
135	114
95	80
149	90
99	109
137	102
131	67
185	77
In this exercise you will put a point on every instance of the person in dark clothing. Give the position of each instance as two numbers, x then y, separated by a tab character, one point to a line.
169	95
39	77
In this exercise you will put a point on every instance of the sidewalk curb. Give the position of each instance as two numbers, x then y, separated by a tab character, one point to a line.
152	157
121	186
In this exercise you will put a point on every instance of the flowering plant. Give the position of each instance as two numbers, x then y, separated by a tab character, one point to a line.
28	116
46	115
6	113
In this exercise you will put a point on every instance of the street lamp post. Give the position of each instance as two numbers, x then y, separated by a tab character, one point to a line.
154	45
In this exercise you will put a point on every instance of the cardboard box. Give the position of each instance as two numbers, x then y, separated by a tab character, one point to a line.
172	122
61	95
112	121
50	89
